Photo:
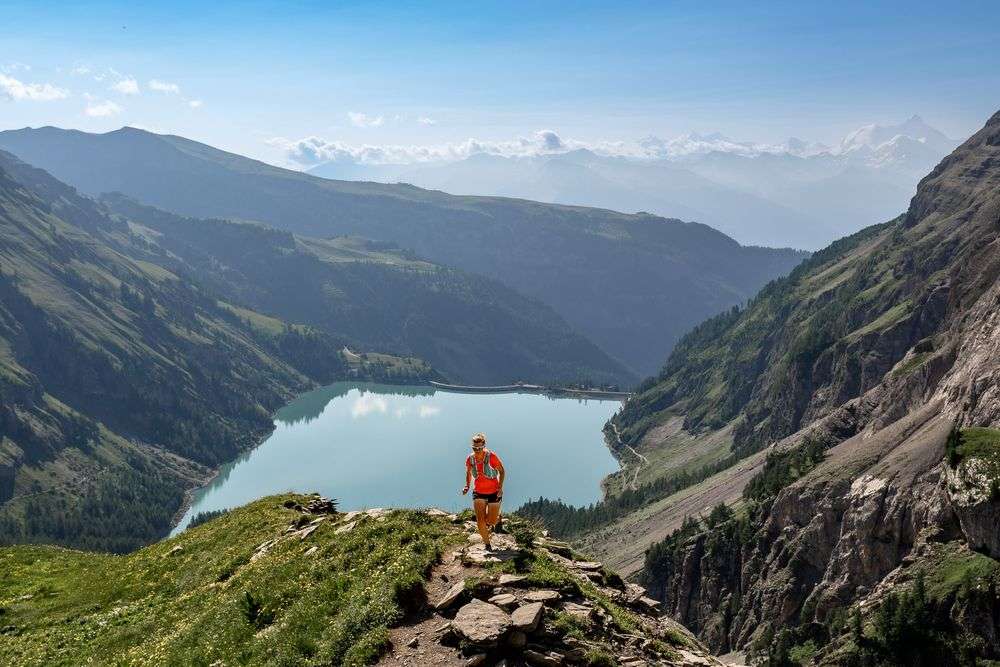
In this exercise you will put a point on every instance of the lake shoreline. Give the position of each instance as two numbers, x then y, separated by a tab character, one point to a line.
213	473
558	392
261	436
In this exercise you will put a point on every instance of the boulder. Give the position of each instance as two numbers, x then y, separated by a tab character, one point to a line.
544	596
551	659
511	579
526	617
451	596
587	565
651	605
578	611
481	623
505	600
517	639
633	592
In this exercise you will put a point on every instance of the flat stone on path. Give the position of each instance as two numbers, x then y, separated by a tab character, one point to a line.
543	595
541	660
633	592
582	612
526	617
650	604
481	623
505	600
511	579
449	598
587	565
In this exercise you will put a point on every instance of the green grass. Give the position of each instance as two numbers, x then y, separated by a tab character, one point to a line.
980	442
884	321
207	602
977	443
909	365
956	568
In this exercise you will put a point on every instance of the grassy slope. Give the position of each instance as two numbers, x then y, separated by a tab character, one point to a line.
182	601
329	597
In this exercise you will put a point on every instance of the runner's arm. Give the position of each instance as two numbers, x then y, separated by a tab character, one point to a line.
468	477
503	473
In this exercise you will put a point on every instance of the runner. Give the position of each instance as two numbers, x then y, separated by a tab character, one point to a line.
486	468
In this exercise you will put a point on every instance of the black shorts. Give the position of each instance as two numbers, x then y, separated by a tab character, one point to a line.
488	497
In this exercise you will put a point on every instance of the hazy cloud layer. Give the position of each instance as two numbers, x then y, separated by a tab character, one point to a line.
313	150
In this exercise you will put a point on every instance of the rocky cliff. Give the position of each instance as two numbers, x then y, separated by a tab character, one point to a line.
885	352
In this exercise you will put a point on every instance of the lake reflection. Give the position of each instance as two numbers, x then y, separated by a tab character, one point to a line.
371	445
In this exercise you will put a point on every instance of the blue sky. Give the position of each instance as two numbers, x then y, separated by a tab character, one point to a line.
245	76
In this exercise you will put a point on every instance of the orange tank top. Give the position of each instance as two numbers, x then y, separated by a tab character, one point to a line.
484	484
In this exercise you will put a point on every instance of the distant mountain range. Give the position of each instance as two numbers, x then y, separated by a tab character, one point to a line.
795	194
632	284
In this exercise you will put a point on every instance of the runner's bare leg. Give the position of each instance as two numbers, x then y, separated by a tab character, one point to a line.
492	515
480	506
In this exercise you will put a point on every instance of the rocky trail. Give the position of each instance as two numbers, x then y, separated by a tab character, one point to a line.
480	609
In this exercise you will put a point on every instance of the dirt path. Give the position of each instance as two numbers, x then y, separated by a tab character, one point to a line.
634	482
414	643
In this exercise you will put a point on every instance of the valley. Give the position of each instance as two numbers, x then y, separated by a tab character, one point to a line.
632	284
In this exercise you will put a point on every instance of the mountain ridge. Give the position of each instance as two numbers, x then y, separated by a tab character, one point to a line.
592	266
867	383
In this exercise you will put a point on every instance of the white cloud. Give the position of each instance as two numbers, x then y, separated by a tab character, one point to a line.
164	86
195	104
126	86
315	150
429	411
359	119
103	109
16	90
80	70
368	403
15	67
424	120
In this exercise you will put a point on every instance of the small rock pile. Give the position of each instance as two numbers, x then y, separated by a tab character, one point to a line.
502	620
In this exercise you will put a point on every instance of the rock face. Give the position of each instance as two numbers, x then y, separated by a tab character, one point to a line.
884	399
481	623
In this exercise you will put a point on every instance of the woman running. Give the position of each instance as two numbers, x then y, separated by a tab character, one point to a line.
486	469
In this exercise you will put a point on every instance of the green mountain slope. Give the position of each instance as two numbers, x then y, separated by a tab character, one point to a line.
631	283
469	327
121	383
833	328
866	532
287	580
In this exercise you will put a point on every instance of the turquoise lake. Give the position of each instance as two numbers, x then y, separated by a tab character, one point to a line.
373	445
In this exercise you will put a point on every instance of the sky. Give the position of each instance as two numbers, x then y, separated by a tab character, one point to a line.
259	77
